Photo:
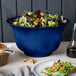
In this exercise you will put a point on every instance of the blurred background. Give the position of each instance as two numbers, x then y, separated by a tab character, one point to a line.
12	8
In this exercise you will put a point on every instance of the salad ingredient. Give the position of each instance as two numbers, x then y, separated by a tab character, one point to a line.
62	18
52	23
32	60
24	60
64	21
35	23
42	14
58	69
29	13
62	68
15	23
74	70
38	19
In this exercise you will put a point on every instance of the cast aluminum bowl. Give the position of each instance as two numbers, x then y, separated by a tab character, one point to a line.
38	41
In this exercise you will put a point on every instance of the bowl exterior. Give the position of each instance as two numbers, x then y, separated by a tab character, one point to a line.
38	42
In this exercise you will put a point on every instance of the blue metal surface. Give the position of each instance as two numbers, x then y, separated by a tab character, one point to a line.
38	41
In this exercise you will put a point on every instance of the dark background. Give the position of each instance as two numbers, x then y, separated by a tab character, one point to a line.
12	8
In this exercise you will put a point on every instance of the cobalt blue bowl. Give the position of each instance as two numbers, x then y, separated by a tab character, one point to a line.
38	41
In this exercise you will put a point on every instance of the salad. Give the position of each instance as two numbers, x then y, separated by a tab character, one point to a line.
59	69
39	19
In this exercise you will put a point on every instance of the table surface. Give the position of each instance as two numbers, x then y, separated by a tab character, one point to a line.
15	60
